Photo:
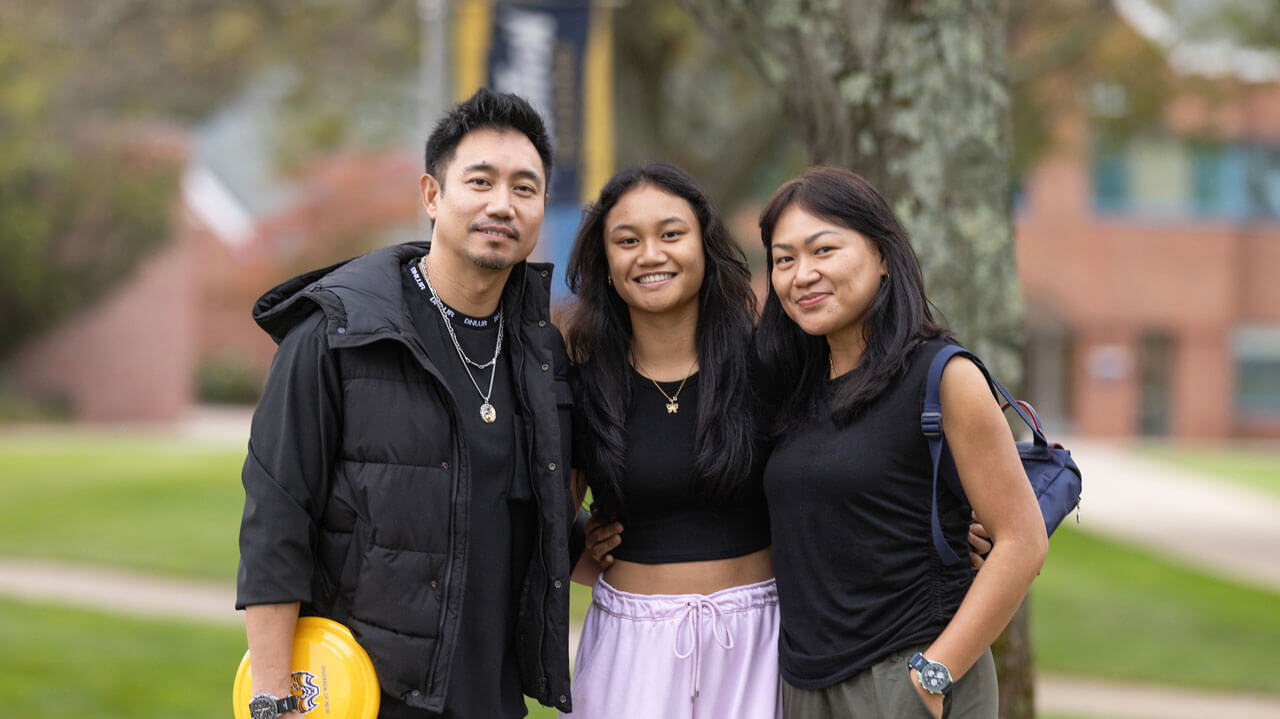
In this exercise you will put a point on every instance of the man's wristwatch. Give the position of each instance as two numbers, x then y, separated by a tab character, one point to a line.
265	706
934	676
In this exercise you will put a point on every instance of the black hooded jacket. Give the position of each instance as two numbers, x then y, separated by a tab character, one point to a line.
358	510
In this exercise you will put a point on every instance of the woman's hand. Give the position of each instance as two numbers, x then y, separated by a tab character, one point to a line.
933	701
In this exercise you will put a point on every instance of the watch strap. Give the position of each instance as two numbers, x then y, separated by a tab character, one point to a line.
282	706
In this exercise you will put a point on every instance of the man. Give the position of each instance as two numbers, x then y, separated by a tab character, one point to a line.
406	469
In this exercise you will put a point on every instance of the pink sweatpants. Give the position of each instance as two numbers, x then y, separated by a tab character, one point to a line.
679	656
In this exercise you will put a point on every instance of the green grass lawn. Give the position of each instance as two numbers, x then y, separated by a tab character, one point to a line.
1099	608
1102	609
169	507
1254	467
60	663
161	506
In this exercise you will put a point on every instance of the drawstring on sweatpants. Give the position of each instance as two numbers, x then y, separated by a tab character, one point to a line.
692	620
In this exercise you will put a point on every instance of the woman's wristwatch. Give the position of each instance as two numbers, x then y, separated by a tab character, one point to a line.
934	676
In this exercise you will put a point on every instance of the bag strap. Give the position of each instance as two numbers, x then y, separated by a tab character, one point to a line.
931	426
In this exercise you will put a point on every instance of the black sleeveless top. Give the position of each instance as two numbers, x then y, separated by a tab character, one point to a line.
858	577
664	520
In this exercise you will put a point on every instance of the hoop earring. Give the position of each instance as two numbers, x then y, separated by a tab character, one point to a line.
609	280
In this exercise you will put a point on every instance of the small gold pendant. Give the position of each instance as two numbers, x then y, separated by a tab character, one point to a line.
488	413
673	407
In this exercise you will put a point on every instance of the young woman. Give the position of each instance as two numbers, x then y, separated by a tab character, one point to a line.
684	621
845	341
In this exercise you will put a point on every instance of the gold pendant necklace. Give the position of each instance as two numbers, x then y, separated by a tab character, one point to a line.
673	406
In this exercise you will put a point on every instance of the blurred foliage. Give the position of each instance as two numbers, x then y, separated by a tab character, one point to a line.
76	77
683	97
1080	58
228	381
15	408
183	58
71	224
1253	23
91	94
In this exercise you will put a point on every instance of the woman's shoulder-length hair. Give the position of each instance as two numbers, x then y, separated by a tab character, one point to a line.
794	363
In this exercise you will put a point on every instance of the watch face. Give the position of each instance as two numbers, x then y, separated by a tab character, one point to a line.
934	677
262	707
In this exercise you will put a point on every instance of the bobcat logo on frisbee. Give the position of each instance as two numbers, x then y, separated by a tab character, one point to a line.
305	688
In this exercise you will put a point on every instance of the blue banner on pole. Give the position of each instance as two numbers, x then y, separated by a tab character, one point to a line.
538	53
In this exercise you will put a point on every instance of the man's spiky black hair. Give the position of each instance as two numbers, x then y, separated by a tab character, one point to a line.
486	109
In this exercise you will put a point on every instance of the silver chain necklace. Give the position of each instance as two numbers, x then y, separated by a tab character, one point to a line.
487	412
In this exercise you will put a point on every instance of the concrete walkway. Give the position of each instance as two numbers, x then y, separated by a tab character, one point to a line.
1219	527
1111	700
112	590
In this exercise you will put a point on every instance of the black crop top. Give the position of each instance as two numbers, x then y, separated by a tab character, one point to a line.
665	519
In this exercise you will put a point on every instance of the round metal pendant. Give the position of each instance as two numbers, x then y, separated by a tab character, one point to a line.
488	413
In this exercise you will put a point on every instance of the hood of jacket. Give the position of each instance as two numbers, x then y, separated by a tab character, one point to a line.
363	297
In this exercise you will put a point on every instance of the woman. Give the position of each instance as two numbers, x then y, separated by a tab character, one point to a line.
845	341
684	621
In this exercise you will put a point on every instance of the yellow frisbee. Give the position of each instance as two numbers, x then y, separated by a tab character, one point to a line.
332	675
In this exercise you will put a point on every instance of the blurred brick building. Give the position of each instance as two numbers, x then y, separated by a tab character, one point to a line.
239	228
1148	264
1150	268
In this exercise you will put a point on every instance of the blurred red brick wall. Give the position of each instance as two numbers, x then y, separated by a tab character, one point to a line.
1117	279
129	357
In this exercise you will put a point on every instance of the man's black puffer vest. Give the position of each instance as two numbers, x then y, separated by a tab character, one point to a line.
390	542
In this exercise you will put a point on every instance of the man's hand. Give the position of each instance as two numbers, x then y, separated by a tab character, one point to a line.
602	538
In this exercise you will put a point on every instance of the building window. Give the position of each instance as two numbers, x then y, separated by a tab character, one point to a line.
1207	188
1171	178
1110	178
1257	358
1264	182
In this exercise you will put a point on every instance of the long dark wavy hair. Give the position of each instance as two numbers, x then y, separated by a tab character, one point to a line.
795	364
599	342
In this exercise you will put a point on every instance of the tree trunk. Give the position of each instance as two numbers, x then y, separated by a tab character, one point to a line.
912	94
